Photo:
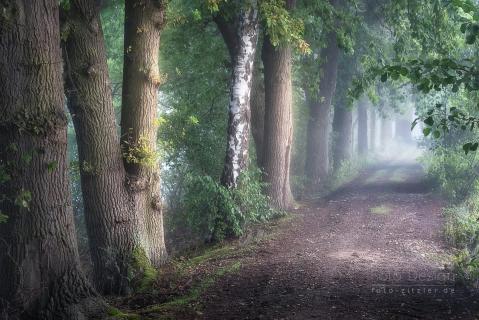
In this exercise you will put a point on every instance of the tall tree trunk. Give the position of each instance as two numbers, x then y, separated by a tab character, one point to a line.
278	123
343	135
40	276
257	112
111	220
386	132
403	130
141	78
317	147
240	89
372	130
363	126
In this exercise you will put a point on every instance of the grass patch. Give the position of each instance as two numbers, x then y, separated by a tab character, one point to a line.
193	295
114	313
184	280
212	253
381	210
347	172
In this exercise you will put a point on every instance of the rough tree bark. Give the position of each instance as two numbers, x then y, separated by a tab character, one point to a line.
343	135
257	111
343	116
40	276
278	123
317	146
110	217
240	89
144	21
363	126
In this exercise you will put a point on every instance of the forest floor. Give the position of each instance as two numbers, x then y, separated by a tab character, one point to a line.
373	249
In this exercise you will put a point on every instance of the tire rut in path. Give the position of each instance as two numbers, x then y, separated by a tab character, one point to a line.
372	250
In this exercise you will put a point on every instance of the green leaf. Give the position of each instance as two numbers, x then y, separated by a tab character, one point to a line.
471	38
3	217
23	199
414	123
466	147
426	131
27	158
51	166
429	121
436	134
403	71
4	175
384	77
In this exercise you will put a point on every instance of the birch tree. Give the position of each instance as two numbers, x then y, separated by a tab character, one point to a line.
243	56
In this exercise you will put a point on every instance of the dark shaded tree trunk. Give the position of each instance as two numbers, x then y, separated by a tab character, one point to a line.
111	219
40	276
372	130
236	161
278	123
403	130
386	132
363	126
257	112
317	147
144	21
343	135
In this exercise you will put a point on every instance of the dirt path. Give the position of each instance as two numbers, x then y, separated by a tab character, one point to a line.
372	250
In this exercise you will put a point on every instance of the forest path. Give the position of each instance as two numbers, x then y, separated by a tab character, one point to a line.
372	250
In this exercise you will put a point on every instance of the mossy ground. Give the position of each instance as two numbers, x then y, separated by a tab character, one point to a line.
116	314
383	209
176	290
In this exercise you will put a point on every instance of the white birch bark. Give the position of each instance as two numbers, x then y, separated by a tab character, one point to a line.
239	104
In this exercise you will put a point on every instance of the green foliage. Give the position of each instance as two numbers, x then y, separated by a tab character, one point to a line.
51	166
217	212
194	99
23	199
116	314
281	27
3	217
211	208
140	152
112	18
347	171
444	61
461	224
5	175
466	264
192	296
455	173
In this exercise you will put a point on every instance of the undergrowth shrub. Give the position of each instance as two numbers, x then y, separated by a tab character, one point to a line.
455	174
215	212
461	224
347	171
